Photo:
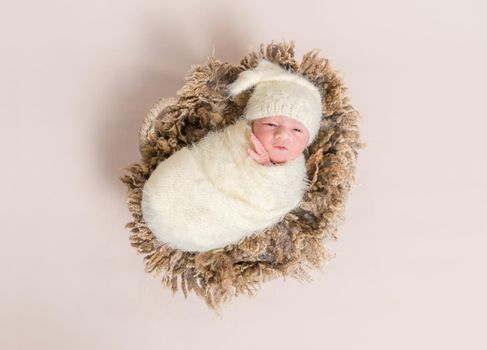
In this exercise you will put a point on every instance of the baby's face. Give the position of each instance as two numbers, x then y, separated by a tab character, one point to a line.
284	138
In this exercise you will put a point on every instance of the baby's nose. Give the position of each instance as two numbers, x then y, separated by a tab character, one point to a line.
280	134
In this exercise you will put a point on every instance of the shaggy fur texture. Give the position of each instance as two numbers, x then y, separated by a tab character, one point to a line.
297	242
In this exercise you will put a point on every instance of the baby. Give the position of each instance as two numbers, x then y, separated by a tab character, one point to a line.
244	178
277	139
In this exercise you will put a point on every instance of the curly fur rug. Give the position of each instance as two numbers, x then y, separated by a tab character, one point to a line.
297	243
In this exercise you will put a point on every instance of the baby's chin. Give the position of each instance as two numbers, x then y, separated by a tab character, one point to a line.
281	158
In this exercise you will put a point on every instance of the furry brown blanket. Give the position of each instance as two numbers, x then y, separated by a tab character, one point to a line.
294	244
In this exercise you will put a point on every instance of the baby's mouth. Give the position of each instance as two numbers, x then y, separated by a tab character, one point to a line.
282	148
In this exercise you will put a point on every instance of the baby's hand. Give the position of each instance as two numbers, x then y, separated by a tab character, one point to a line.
260	155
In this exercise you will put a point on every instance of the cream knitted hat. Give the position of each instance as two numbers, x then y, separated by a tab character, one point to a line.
279	92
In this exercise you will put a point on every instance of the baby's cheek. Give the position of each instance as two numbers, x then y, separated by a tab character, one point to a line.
296	150
301	145
264	140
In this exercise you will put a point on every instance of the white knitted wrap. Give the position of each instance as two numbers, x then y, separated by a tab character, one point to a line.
214	194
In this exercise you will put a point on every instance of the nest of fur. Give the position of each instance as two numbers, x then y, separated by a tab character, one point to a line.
291	247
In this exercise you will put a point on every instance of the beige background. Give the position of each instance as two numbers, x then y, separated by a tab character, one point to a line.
76	80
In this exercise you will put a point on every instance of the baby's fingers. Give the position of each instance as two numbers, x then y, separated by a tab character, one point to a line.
258	145
261	159
253	154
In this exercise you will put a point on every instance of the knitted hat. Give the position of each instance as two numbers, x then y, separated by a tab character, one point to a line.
279	92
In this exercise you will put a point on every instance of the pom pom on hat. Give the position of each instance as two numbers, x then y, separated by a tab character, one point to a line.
279	92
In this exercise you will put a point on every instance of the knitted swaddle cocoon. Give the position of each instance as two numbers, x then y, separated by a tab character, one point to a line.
213	193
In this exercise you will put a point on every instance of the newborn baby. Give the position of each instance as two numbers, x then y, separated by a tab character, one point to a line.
244	178
277	139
